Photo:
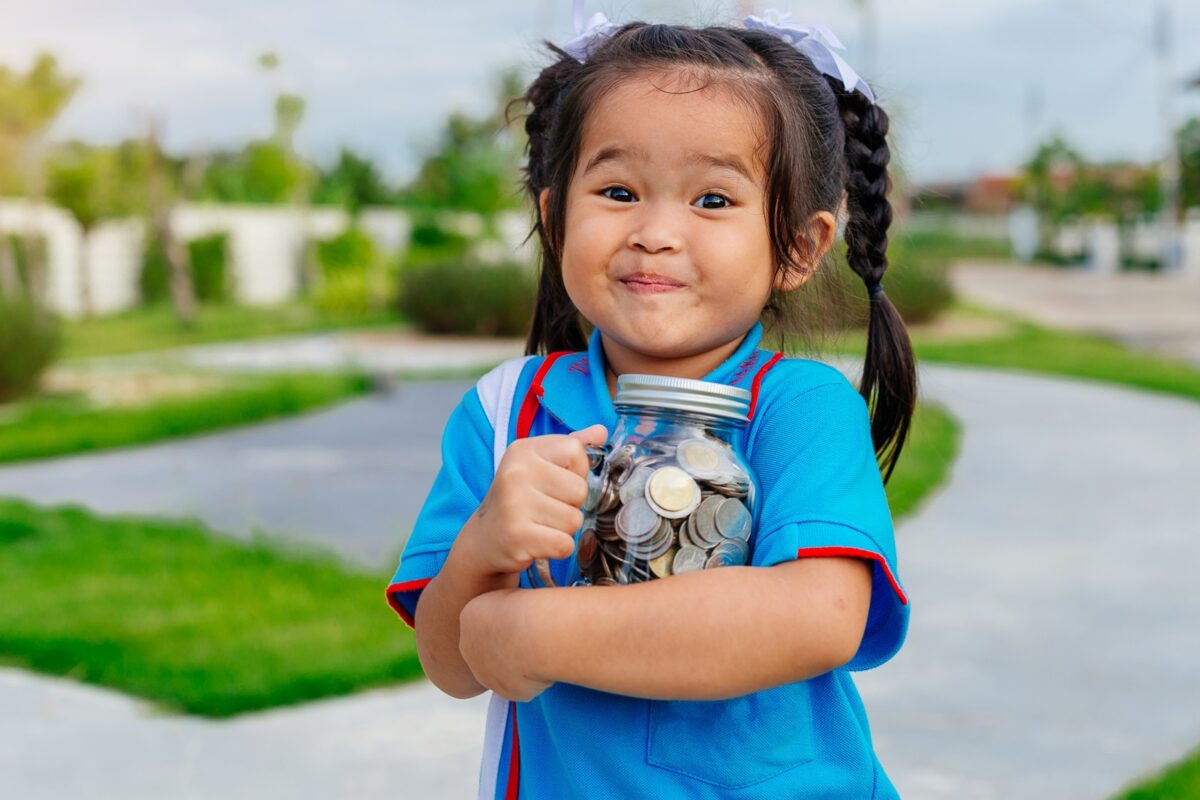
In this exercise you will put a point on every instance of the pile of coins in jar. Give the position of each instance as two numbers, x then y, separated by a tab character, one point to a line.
664	508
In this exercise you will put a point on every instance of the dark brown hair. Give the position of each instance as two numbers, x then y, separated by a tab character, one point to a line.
824	143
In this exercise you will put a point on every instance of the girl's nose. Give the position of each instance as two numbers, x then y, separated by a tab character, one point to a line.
655	231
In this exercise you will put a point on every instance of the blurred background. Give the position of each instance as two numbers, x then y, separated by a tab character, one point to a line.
217	214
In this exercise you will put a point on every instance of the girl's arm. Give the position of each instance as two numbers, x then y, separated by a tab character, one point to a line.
436	621
705	635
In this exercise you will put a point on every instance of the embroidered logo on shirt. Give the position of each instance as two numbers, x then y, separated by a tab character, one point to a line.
580	365
744	368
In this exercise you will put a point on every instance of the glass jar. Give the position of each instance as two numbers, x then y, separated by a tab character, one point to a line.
671	490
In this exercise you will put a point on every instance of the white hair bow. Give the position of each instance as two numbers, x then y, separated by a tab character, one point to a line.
817	42
598	27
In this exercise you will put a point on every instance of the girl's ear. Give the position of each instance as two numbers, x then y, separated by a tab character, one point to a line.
543	199
811	246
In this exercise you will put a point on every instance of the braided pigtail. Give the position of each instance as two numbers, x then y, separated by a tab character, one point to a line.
889	380
555	324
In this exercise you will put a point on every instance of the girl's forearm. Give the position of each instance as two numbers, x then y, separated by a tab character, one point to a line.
705	635
437	618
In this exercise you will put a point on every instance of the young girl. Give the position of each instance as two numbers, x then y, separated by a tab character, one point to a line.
686	181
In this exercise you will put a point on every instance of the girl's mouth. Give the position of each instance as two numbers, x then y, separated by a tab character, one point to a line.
644	283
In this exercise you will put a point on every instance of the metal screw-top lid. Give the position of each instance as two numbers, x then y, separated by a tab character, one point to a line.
683	394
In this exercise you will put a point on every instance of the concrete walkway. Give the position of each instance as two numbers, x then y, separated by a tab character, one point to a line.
1053	650
351	478
1147	310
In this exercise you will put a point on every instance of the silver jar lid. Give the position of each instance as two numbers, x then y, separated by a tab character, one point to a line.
683	394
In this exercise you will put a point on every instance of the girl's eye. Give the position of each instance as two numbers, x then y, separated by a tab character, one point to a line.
713	200
618	193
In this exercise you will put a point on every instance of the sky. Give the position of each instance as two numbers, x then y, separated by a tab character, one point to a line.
970	85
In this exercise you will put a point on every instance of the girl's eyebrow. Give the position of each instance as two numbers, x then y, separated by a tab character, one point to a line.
720	160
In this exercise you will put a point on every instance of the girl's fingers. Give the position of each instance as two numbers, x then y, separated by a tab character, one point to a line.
565	451
562	517
547	542
594	435
561	485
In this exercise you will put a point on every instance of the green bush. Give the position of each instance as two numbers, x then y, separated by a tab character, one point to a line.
919	287
917	282
346	292
492	300
210	272
28	254
350	282
207	262
154	279
350	250
29	340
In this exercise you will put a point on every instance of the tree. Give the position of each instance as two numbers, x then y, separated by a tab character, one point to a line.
1189	162
353	182
94	184
29	104
475	165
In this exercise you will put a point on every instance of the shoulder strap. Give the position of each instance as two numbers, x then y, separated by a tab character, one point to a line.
530	405
496	391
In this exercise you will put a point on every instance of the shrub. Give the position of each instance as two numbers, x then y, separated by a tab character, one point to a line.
917	282
349	250
154	278
919	287
210	273
29	339
349	264
207	262
493	300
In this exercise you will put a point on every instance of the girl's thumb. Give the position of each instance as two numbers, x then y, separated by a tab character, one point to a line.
593	434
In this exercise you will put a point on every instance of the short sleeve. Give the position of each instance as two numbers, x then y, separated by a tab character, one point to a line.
461	483
821	495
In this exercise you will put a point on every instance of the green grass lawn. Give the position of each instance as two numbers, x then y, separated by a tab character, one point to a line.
53	426
1035	348
1180	781
209	625
1030	347
194	622
156	328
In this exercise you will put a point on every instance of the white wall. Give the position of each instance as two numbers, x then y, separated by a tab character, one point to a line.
266	247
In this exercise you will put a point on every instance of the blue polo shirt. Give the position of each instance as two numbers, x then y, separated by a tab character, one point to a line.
820	494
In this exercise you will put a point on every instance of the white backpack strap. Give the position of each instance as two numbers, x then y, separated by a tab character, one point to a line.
496	394
496	391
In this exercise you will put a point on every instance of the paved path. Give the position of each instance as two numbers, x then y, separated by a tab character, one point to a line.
1156	312
1053	649
352	478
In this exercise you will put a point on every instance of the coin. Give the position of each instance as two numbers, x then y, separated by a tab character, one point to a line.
699	458
661	566
704	523
587	548
733	520
688	559
672	493
635	483
729	553
637	521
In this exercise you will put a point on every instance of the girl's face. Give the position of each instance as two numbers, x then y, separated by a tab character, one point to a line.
667	249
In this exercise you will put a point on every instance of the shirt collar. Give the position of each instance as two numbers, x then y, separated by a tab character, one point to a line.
575	389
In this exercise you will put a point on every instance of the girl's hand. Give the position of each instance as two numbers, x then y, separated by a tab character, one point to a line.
492	645
533	506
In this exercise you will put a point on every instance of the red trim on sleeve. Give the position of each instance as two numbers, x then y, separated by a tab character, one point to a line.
397	606
514	765
758	376
530	404
854	552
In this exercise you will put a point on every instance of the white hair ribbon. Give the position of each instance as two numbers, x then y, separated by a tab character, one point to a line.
586	35
817	42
